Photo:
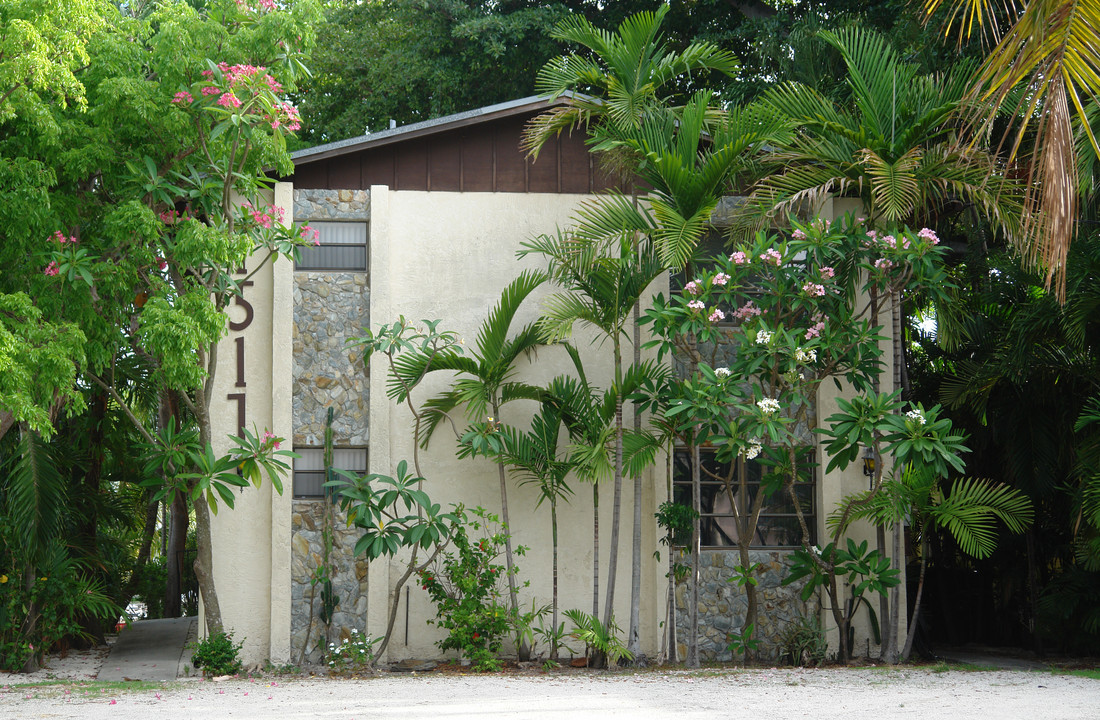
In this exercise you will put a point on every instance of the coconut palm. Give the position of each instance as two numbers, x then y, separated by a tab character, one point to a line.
1051	50
485	381
894	145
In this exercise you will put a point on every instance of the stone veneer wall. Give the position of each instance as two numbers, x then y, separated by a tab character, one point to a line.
329	309
722	604
349	580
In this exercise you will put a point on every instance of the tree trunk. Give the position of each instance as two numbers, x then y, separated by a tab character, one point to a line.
692	659
554	598
204	565
174	556
905	651
634	641
617	498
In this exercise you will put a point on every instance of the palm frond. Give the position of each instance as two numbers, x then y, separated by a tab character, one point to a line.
969	512
36	495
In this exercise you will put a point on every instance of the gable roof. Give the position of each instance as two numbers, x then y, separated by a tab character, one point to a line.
512	108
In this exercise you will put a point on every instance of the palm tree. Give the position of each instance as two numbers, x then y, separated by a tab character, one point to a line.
614	88
602	271
967	510
893	144
1051	50
534	457
485	382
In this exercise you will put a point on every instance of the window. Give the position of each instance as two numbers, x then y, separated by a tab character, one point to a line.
309	469
343	247
777	525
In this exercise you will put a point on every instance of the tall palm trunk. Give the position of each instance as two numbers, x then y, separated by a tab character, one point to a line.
617	498
554	598
523	650
692	659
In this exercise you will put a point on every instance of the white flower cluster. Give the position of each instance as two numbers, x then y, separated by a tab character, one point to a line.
764	337
768	405
722	372
750	451
805	356
916	416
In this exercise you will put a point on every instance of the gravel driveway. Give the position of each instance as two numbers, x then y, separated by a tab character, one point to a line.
847	694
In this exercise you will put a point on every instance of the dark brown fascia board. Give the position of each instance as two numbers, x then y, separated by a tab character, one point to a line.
428	127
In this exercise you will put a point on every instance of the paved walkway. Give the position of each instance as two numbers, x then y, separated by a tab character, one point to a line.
150	650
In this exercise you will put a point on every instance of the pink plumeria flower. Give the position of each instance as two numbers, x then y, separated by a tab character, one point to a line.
746	311
716	315
692	287
929	235
771	255
813	289
51	270
697	305
827	272
182	97
815	330
721	279
798	234
739	258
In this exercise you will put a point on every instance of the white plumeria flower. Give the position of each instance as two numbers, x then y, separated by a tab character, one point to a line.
916	416
805	356
768	405
764	337
722	372
750	451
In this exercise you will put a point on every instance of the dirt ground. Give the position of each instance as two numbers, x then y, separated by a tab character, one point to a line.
63	690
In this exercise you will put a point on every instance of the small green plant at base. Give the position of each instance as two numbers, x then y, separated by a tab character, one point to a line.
804	643
589	630
217	655
742	642
353	655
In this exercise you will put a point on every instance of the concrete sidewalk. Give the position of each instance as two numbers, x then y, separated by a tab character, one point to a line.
150	650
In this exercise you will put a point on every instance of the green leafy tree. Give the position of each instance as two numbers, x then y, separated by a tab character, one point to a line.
156	201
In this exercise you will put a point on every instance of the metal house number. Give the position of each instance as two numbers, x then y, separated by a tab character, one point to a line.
238	344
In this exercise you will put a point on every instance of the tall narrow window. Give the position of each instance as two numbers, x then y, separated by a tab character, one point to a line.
343	246
309	469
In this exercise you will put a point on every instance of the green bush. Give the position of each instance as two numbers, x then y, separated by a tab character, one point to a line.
217	655
465	586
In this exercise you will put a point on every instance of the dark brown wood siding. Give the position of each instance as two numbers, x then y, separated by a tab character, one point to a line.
478	157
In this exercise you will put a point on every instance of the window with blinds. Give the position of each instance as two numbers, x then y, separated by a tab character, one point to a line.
309	469
343	246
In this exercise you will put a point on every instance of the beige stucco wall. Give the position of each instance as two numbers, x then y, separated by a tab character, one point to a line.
251	542
839	483
449	256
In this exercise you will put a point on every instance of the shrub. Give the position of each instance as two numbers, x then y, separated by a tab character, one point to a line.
217	655
353	655
465	587
804	643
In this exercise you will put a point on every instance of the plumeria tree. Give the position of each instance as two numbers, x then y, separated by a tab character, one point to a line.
755	334
163	218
